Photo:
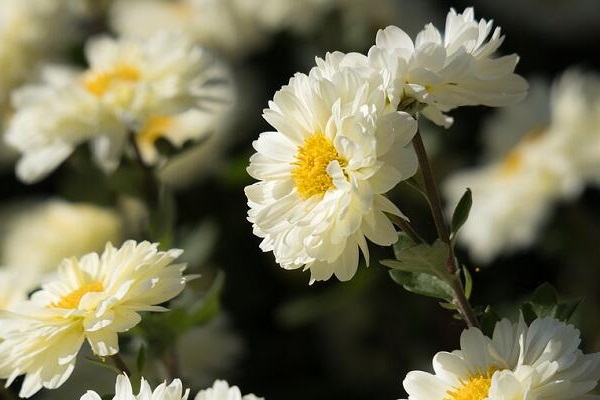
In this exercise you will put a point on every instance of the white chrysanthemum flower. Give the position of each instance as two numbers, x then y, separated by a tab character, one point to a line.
337	149
93	298
221	390
232	26
554	158
132	87
539	362
124	391
40	235
443	72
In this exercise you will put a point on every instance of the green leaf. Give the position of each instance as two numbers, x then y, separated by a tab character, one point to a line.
468	282
488	320
209	305
404	242
140	361
544	302
423	283
461	212
422	258
564	311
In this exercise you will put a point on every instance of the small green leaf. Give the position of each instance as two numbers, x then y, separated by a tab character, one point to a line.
404	242
468	282
423	283
488	320
528	313
209	306
448	306
140	361
423	258
103	364
461	212
545	302
564	311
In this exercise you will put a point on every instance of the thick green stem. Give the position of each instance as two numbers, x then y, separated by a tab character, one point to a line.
435	205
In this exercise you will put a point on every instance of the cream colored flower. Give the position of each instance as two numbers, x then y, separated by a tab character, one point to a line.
38	236
221	390
554	158
133	87
124	391
539	362
444	71
93	298
235	27
336	150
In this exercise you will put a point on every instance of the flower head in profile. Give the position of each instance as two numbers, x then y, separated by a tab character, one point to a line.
221	390
539	153
124	391
442	71
540	361
337	149
132	90
94	298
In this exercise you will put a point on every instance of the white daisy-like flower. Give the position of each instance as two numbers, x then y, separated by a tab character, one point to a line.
445	71
38	236
124	391
541	361
336	150
554	157
221	390
132	87
93	298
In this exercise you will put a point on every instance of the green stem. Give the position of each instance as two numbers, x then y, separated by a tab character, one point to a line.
171	362
120	364
406	228
435	205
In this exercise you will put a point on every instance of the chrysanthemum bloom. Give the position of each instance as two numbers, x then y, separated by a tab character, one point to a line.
124	391
445	71
539	153
93	298
336	150
541	361
221	390
38	236
133	87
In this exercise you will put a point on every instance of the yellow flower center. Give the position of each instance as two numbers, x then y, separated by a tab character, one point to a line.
99	82
475	387
310	175
72	299
154	128
513	161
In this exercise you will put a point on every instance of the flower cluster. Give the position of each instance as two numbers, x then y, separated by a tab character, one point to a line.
540	361
134	90
343	135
